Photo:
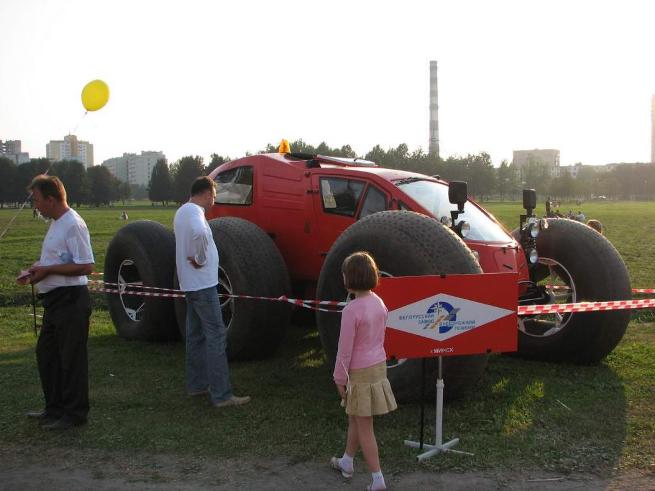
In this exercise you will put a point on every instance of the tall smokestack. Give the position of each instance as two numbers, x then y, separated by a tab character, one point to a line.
433	148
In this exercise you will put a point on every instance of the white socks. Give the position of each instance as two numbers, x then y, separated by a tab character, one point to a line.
346	462
378	481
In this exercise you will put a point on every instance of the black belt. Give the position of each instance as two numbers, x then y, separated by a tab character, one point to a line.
60	290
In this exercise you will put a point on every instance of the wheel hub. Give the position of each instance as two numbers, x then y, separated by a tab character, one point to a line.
559	288
128	276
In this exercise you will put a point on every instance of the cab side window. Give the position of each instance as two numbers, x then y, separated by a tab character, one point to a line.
234	187
375	201
340	196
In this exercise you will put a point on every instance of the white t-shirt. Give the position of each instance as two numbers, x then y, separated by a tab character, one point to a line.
67	241
193	238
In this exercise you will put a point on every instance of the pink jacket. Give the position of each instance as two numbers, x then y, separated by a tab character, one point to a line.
361	339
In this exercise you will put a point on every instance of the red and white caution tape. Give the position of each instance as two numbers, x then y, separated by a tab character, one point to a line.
136	293
634	290
560	308
308	304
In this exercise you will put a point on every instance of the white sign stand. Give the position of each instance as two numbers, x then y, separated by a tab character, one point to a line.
438	446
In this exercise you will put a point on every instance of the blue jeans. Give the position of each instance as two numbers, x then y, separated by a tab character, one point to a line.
206	340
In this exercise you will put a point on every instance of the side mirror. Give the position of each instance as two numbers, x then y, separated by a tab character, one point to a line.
458	194
529	200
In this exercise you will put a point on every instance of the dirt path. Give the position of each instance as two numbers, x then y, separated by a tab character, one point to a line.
27	468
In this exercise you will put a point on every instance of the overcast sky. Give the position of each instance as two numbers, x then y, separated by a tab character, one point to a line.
197	77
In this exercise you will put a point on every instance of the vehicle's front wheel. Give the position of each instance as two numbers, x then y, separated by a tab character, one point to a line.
403	244
581	265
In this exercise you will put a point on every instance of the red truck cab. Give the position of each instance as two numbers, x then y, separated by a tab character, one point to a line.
305	203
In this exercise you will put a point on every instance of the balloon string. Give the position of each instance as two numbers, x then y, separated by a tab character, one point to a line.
14	217
78	123
27	200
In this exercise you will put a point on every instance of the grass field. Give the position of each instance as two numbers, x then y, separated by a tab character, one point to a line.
524	414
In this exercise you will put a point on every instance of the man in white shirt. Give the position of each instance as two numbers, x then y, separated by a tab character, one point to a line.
60	276
196	258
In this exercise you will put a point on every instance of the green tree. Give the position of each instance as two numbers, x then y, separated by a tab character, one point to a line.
506	181
8	181
563	186
139	191
455	168
585	182
103	187
124	191
184	172
73	174
536	175
376	154
481	175
28	170
216	161
299	146
161	183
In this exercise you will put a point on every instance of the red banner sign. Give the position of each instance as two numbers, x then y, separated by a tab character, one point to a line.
450	315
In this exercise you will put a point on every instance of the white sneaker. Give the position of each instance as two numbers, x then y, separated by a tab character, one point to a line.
233	401
336	465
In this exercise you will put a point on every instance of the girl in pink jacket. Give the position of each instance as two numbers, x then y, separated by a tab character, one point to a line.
360	371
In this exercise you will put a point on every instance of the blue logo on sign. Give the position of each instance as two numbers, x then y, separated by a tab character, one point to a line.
445	316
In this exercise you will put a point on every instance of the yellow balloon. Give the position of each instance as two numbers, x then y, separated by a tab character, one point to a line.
95	95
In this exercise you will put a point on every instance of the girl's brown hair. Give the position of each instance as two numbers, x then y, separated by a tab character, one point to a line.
360	271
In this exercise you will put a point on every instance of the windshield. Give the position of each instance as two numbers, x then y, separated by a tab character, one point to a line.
434	198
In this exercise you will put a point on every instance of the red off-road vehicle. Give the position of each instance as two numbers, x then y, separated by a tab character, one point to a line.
283	223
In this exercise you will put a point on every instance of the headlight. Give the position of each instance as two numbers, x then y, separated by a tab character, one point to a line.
464	228
533	256
533	227
543	224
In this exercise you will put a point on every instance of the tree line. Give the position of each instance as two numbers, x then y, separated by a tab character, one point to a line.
96	186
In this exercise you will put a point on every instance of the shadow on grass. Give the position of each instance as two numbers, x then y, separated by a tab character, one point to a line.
561	418
523	414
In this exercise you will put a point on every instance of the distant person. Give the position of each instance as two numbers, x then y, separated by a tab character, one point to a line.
196	258
596	225
35	213
580	216
123	215
360	371
60	277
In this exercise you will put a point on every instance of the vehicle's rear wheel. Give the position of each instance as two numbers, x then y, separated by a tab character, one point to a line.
402	244
141	253
582	265
249	264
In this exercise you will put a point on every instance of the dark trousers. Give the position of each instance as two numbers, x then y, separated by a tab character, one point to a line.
61	352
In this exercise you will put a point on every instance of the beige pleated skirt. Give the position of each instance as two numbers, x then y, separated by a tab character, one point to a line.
369	392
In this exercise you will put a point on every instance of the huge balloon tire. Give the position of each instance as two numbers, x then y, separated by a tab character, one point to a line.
402	243
592	268
249	264
141	253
